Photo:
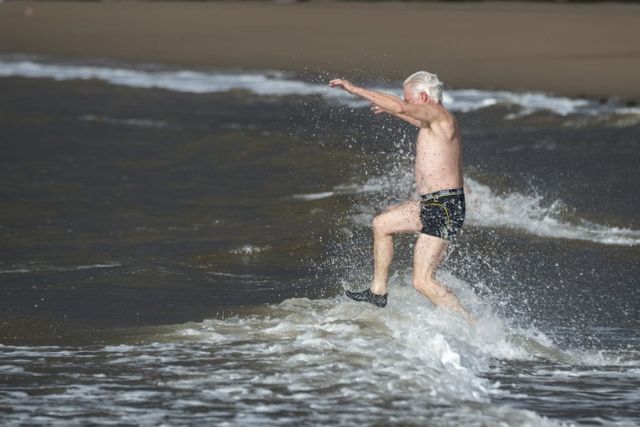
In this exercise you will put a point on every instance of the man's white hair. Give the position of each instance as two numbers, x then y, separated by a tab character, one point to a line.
423	81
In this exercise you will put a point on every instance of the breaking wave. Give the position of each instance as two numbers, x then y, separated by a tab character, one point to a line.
280	84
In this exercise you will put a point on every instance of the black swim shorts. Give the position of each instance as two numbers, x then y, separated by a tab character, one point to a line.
442	213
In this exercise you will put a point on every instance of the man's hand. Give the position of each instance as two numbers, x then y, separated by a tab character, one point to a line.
377	110
343	84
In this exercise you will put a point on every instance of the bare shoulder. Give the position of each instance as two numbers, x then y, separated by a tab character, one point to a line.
445	116
441	120
447	120
433	116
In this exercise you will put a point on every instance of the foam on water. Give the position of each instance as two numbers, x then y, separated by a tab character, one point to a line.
249	250
280	84
38	268
145	123
327	361
530	214
485	208
313	196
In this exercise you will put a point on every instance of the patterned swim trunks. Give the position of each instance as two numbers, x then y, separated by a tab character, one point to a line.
442	213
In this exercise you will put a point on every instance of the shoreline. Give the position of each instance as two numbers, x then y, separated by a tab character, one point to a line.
549	48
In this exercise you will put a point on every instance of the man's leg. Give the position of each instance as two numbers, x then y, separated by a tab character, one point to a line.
428	254
402	218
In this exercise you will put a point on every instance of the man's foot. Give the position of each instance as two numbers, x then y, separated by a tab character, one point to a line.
368	296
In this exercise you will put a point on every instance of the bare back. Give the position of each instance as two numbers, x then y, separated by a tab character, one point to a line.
439	157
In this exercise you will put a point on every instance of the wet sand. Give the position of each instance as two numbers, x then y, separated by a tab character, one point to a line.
574	50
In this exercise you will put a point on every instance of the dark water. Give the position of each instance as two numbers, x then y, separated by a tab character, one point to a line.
178	258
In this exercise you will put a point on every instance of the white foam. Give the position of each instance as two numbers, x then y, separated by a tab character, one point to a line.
8	369
469	100
35	268
299	352
16	271
249	250
270	83
279	84
530	214
313	196
338	348
124	121
485	208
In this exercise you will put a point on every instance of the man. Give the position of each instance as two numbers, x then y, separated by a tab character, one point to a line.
438	173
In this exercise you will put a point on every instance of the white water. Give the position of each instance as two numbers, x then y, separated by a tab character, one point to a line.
145	123
279	84
325	361
485	208
532	215
39	268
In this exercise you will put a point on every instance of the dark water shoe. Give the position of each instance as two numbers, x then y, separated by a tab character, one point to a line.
368	296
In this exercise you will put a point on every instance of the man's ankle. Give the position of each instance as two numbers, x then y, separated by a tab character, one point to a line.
378	290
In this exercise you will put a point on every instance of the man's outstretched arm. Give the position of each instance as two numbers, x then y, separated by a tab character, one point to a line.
425	114
411	120
388	102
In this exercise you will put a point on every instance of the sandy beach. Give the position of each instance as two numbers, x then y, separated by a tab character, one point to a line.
574	50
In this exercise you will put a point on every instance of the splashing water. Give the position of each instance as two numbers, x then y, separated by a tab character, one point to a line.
485	208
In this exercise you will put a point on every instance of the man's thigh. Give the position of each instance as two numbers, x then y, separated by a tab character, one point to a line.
402	218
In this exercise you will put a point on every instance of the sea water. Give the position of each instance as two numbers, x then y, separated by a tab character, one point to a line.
176	243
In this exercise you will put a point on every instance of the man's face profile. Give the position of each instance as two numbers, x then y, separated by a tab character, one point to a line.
411	97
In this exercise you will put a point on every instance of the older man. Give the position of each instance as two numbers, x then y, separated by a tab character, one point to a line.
438	171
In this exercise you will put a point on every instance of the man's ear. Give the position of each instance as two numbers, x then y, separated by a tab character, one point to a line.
423	96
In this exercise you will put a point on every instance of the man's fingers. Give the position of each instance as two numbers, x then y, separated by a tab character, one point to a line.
339	82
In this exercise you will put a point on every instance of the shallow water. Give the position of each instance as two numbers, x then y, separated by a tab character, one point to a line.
176	242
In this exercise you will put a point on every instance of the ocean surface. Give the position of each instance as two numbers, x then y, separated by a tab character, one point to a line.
176	242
